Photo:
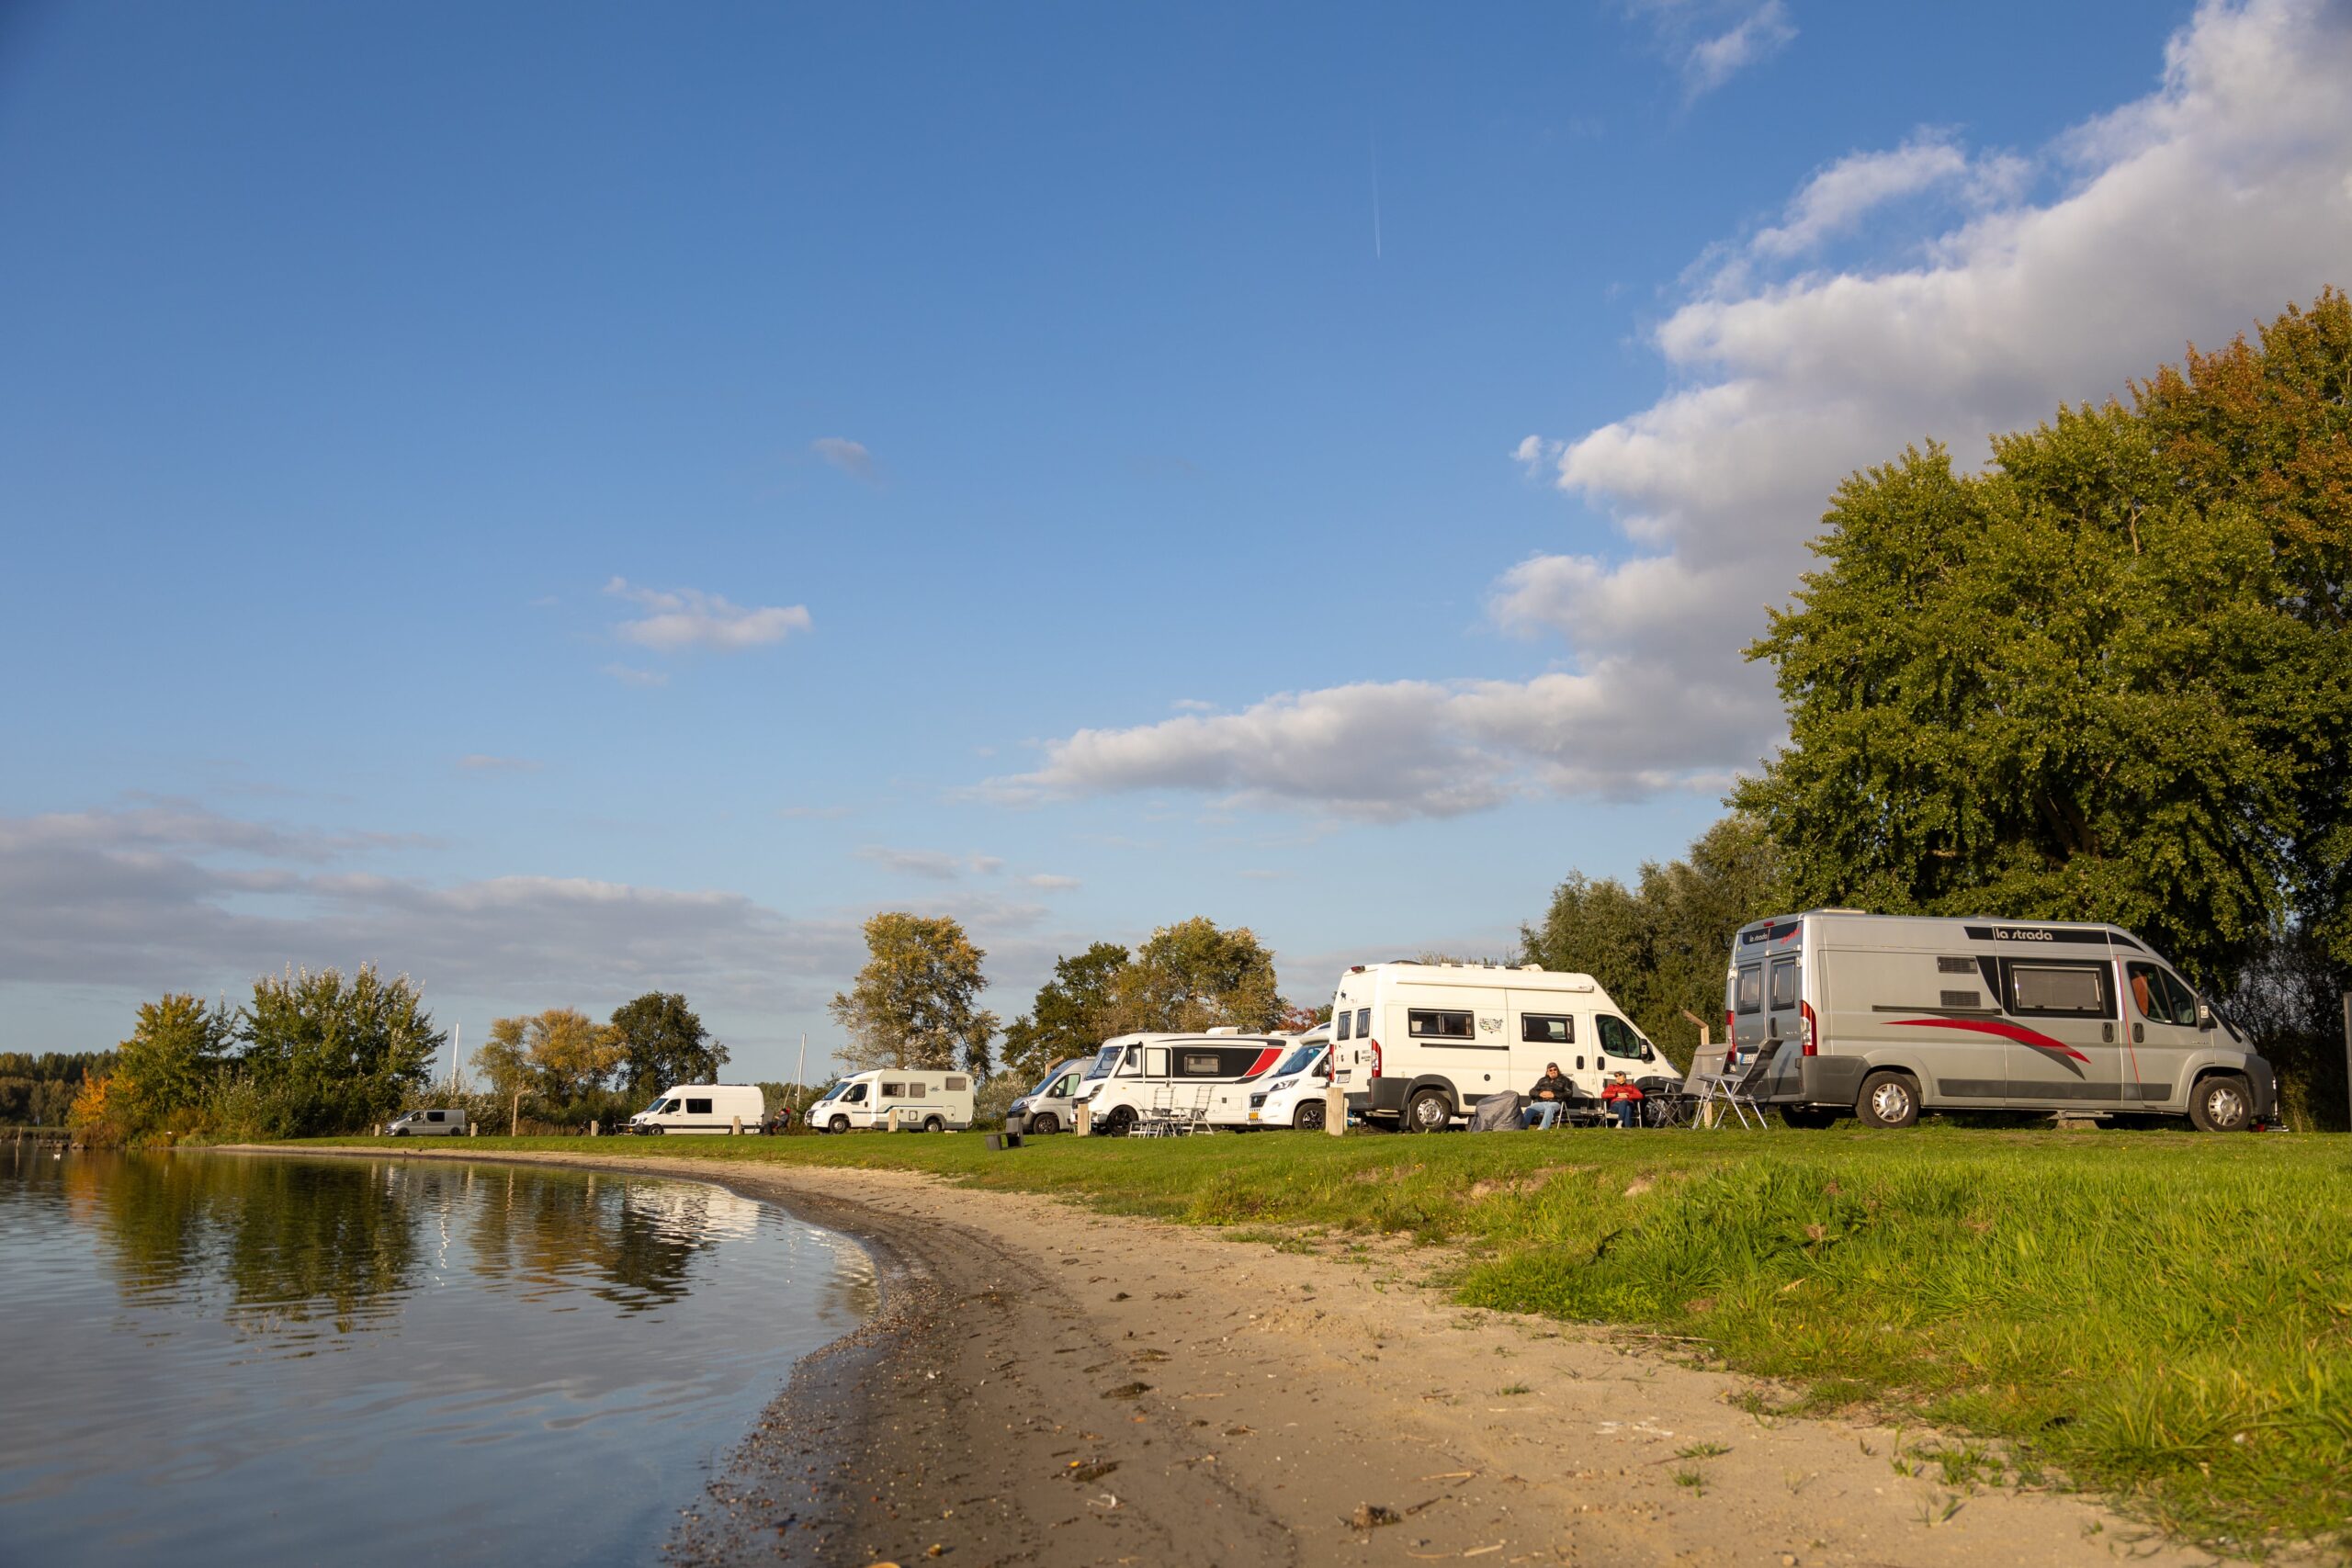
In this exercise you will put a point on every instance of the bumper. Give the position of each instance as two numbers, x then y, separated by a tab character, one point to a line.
1826	1080
2264	1080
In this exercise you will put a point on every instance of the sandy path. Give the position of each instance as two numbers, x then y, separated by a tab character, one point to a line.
1062	1387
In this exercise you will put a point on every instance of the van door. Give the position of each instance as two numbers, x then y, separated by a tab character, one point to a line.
1460	1038
2162	1012
2063	1051
1784	1021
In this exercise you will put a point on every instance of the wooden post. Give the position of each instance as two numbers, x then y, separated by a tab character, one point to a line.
515	1117
736	1131
1706	1044
1335	1109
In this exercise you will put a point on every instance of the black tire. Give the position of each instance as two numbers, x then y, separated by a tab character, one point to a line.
934	1124
2222	1103
1120	1122
1809	1118
1308	1117
838	1125
1888	1100
1431	1111
1044	1124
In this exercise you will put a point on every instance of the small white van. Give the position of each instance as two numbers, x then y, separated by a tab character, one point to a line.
1179	1078
428	1124
1414	1046
1292	1093
930	1100
703	1107
1047	1108
1882	1016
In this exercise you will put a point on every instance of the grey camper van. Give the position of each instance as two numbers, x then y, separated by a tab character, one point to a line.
1882	1016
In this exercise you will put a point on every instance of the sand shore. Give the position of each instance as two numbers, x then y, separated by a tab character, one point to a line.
1045	1384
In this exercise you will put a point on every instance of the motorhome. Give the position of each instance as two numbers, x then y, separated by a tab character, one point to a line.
703	1107
905	1100
1046	1108
1142	1077
428	1124
1416	1046
1291	1094
1882	1017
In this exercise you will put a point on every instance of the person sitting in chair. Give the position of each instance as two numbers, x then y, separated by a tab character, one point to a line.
1550	1093
1625	1095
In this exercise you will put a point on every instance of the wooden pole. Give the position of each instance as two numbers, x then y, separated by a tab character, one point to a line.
514	1116
2348	1051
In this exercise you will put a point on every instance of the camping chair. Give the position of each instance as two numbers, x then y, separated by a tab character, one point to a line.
1157	1118
1734	1087
1194	1117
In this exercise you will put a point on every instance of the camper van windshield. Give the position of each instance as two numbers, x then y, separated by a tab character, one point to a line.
659	1107
1104	1060
1297	1061
1045	1084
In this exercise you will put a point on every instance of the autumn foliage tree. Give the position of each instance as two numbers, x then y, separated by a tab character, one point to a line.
916	1003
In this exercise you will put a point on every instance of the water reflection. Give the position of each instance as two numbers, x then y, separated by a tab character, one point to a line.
190	1337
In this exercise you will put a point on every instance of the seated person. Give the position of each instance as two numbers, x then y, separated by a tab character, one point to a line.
1550	1093
1623	1093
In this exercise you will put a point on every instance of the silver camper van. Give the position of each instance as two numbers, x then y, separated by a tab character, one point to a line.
1046	1108
1882	1016
428	1124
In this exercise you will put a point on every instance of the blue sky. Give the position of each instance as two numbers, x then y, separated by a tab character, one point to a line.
566	500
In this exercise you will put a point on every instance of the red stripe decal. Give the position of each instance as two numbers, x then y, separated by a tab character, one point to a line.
1266	1058
2016	1031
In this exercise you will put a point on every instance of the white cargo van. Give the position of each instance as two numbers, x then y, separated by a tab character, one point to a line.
1414	1046
703	1107
1185	1076
1046	1108
428	1124
1882	1016
1292	1093
929	1100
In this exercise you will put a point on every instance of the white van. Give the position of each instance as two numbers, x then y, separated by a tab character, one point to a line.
1414	1046
1184	1076
703	1107
930	1100
1047	1108
1292	1093
1882	1016
428	1124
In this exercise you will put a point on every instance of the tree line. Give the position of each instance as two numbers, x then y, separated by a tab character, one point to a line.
571	1070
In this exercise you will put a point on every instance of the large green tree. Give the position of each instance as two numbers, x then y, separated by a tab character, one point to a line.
331	1052
1074	1012
1660	947
1194	974
175	1051
916	1003
663	1041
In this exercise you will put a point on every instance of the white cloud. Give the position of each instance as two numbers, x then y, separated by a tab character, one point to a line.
1834	199
936	864
850	456
1713	41
2194	213
1046	882
684	618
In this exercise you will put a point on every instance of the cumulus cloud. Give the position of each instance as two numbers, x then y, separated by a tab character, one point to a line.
1713	41
2188	214
682	618
935	864
850	456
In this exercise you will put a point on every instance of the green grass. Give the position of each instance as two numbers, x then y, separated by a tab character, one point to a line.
2164	1316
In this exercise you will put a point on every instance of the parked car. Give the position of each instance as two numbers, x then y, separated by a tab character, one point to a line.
428	1124
1417	1045
1884	1016
928	1100
702	1108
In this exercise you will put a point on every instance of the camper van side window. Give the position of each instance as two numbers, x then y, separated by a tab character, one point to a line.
1784	983
1428	1023
1201	1064
1344	1019
1547	1029
956	1085
893	1091
1617	1037
1751	989
697	1108
1364	1023
2058	990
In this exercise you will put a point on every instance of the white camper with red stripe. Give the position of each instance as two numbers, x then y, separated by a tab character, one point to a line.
1138	1079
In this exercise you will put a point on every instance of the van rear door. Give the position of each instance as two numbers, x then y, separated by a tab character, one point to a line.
1784	1012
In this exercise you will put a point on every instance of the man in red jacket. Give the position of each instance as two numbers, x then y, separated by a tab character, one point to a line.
1625	1095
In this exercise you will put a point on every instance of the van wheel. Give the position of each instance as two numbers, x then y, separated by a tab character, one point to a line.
934	1124
1431	1111
1044	1124
1308	1117
1811	1118
1120	1122
838	1124
2221	1103
1888	1100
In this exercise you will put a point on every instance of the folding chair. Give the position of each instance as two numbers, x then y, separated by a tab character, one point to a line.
1734	1087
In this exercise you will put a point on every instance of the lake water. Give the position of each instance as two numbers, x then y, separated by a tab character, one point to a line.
262	1359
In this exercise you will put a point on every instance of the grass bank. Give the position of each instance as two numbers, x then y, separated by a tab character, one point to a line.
2166	1317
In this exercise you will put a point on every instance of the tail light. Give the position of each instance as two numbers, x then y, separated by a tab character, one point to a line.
1811	1031
1375	1059
1731	1038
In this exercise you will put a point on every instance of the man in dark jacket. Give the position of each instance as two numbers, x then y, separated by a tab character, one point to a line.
1550	1093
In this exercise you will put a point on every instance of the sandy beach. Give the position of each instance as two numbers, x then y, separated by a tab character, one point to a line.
1047	1384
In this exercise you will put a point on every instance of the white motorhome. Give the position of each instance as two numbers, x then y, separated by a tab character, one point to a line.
1141	1076
703	1107
1047	1108
1882	1016
928	1100
428	1124
1414	1046
1291	1094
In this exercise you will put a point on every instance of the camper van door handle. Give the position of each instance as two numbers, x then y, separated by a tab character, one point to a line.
2139	1033
2106	1033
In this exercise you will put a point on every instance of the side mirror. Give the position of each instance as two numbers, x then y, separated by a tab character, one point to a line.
2204	1015
1648	1055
